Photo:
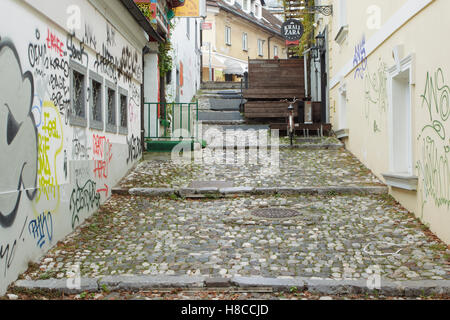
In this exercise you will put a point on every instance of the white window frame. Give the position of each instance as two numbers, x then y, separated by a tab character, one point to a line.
249	6
228	35
260	48
342	23
275	51
245	41
404	180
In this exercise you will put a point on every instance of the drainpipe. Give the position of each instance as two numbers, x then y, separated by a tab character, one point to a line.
145	51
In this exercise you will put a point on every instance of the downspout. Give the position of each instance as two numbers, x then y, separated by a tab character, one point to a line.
145	51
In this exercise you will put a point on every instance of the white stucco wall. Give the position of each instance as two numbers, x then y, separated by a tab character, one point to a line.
54	175
186	56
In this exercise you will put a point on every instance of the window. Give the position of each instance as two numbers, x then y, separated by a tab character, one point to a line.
401	163
244	41
260	47
246	5
275	51
111	119
123	111
228	36
78	94
96	101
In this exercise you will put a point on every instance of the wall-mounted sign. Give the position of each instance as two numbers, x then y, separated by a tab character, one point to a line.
206	25
191	8
292	43
292	30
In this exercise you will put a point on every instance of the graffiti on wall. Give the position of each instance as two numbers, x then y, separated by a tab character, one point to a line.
50	147
360	59
19	142
376	97
41	229
433	166
83	198
103	154
134	148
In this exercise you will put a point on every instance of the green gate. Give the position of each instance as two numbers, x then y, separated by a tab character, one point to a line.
168	124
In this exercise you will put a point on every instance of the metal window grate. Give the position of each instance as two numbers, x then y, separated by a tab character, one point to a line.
111	106
97	101
78	94
123	111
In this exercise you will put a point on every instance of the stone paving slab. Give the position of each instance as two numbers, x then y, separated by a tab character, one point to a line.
297	168
334	237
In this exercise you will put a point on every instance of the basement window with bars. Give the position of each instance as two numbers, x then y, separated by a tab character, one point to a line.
78	95
111	119
96	101
123	111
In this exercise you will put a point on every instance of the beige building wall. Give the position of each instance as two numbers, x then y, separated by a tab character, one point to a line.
222	19
389	80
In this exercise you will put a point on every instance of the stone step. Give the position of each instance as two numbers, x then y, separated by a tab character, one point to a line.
219	116
388	288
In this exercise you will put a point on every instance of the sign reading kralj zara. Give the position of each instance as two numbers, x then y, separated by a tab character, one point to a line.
292	30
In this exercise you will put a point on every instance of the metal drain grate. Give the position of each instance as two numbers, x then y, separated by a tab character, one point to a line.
275	213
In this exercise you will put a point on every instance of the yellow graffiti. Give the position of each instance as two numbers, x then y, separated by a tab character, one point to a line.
50	147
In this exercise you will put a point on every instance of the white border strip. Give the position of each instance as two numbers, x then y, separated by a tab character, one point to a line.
405	13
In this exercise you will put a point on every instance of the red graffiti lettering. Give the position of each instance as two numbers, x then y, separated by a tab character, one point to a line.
53	43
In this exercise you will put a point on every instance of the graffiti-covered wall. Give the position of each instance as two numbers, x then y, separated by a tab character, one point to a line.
391	73
69	119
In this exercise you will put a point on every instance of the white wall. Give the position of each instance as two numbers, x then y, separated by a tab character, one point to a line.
186	52
53	174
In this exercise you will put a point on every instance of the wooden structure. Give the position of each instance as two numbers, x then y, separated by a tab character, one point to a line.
269	82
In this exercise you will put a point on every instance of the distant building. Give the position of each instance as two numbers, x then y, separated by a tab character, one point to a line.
240	30
276	8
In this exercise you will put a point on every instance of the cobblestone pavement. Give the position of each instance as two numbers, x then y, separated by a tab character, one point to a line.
331	237
325	236
297	168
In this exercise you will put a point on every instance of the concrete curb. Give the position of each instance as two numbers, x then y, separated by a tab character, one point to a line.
222	122
223	192
298	284
281	146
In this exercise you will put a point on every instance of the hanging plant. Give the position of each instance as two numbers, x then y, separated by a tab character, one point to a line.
165	59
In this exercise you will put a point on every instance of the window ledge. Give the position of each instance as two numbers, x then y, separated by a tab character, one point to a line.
401	181
342	133
342	35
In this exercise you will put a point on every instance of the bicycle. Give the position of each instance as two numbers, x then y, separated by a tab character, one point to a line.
291	121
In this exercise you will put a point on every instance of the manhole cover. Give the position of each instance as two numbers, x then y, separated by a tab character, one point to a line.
275	213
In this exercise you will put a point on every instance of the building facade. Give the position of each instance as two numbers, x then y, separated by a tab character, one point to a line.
389	97
184	81
70	117
240	30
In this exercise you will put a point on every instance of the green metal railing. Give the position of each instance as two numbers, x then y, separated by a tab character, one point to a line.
172	121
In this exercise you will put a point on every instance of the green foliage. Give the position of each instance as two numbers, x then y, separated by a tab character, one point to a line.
307	41
165	59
